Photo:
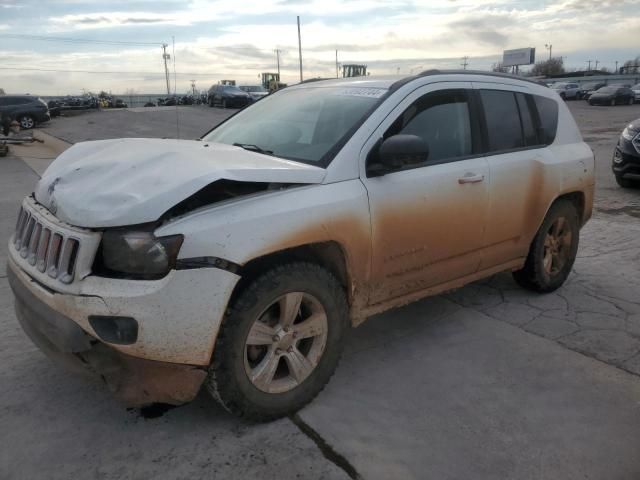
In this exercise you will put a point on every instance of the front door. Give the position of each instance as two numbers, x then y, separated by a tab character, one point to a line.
428	222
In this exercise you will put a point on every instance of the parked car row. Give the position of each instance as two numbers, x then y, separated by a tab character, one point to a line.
598	93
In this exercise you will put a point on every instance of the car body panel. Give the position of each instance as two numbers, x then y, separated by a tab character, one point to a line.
252	227
110	183
416	241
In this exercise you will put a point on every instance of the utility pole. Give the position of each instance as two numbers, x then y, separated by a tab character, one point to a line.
278	62
616	66
550	48
597	62
300	48
193	87
165	57
336	63
464	62
589	67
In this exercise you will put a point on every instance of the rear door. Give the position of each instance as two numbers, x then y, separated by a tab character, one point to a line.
427	222
514	156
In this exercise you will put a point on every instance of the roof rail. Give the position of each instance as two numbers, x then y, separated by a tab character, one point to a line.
477	72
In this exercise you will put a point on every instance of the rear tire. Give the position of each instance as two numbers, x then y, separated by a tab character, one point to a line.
254	339
553	250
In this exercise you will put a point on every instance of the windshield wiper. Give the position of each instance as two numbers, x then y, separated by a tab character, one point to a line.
253	148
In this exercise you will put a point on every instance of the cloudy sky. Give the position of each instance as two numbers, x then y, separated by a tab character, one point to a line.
122	39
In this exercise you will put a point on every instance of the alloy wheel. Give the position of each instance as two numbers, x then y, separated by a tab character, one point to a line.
26	122
285	343
557	246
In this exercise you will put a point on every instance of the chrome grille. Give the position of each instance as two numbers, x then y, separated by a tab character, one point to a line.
48	250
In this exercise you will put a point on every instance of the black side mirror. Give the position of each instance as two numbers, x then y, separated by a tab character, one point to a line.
397	152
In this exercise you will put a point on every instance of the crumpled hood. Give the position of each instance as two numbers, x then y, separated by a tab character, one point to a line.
122	182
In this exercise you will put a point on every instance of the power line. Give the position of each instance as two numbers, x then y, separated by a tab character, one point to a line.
75	40
107	71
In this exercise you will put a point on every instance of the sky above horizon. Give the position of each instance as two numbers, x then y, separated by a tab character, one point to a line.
217	40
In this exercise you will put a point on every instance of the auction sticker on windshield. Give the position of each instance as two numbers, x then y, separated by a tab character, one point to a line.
362	92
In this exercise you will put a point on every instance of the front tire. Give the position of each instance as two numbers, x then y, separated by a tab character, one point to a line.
280	342
553	250
27	122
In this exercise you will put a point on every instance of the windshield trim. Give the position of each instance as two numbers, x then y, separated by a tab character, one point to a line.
328	157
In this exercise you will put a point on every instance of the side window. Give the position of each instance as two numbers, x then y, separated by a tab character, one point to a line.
443	120
502	119
548	116
528	128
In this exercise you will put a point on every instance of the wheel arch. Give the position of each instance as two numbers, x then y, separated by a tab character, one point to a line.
577	198
329	255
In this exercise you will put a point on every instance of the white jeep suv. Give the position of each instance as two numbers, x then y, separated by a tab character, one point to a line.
241	260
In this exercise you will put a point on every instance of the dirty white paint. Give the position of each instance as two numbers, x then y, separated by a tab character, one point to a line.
373	220
112	183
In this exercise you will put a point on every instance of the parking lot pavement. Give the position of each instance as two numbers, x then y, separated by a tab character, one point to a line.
185	122
440	391
488	381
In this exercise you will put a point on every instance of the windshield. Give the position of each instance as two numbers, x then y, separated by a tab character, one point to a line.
608	90
559	85
306	124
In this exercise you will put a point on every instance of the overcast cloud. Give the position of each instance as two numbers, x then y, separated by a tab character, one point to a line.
223	39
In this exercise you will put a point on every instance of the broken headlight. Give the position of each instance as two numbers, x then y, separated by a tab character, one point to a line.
139	254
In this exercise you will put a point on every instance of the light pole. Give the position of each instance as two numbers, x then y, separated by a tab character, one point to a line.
300	49
549	47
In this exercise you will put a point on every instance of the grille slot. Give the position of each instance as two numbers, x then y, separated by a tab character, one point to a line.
45	248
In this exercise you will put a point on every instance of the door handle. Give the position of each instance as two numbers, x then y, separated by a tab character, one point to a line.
470	178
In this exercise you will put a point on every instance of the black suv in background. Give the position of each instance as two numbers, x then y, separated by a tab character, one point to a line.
26	109
228	96
626	157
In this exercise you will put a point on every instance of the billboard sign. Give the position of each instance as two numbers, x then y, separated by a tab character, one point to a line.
519	56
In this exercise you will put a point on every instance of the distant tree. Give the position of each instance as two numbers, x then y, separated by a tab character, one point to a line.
500	68
631	66
553	66
2	91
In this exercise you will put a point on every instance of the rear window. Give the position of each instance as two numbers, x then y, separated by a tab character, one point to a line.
548	115
17	100
502	117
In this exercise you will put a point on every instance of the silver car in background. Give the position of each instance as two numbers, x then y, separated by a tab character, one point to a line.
567	91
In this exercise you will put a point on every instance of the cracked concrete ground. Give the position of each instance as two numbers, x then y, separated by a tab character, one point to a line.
489	381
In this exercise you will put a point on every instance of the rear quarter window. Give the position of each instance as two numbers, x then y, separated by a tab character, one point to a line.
548	116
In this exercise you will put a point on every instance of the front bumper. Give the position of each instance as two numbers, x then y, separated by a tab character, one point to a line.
626	165
136	381
237	102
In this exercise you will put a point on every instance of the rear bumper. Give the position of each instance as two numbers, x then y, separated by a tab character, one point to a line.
136	381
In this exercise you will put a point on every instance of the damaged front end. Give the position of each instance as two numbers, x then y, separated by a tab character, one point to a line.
136	381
